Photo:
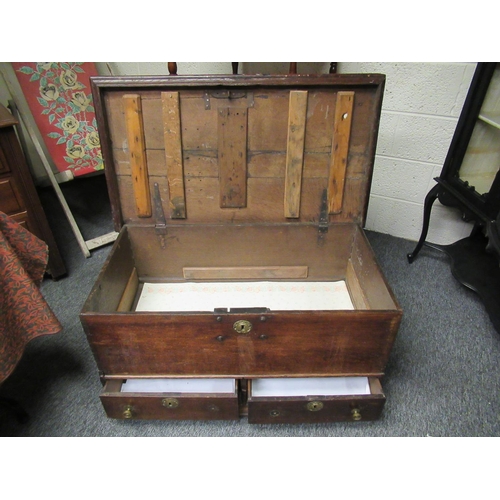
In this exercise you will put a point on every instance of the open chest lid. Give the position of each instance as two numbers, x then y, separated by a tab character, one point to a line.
238	149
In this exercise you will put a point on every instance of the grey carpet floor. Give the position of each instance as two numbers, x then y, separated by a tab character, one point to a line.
443	377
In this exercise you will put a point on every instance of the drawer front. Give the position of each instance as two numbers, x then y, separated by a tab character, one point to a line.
168	406
22	219
10	200
4	165
317	409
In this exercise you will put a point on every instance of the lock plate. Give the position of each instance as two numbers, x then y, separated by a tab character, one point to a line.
242	326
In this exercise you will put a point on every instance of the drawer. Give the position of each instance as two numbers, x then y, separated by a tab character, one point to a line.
171	399
10	199
4	164
22	219
314	400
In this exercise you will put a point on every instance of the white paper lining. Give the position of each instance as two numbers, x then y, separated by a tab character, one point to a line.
277	296
265	387
315	386
184	385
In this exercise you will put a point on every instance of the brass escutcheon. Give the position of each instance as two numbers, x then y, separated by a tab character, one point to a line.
274	413
314	405
170	403
242	326
127	413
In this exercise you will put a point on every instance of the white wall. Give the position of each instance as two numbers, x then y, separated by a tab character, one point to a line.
422	104
421	107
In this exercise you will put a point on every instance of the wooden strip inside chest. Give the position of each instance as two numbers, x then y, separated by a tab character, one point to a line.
241	261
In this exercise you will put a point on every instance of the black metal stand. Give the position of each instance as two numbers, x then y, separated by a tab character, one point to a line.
476	259
429	201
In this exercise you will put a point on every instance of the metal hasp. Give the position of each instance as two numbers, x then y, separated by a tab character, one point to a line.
323	216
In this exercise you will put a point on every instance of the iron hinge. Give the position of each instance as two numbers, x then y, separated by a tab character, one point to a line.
161	223
323	214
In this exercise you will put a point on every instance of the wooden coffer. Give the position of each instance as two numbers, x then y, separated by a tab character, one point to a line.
242	283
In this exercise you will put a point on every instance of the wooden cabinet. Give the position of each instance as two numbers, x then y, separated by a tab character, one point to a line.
470	181
242	283
18	196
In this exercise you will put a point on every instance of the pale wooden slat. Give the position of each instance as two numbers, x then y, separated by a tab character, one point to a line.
137	149
267	272
340	150
173	153
355	290
295	151
232	142
129	293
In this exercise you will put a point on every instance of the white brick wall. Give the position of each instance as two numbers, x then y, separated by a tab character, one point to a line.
421	107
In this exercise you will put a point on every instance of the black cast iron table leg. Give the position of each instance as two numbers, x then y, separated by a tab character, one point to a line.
429	201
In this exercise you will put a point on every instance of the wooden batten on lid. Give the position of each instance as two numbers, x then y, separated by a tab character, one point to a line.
297	115
173	153
137	149
340	151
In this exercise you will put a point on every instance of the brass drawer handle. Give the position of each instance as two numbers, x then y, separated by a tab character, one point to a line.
127	413
314	405
356	414
170	402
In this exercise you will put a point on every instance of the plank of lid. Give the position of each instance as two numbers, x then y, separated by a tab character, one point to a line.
297	115
232	146
340	151
137	149
173	153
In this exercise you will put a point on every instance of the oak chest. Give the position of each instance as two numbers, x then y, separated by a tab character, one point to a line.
242	283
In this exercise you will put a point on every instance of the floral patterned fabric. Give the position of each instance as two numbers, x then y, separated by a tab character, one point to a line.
60	99
24	313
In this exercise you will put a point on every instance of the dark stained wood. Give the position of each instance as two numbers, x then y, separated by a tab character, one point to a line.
286	410
129	293
149	406
172	68
331	343
18	195
242	246
376	290
232	147
355	289
207	81
113	278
